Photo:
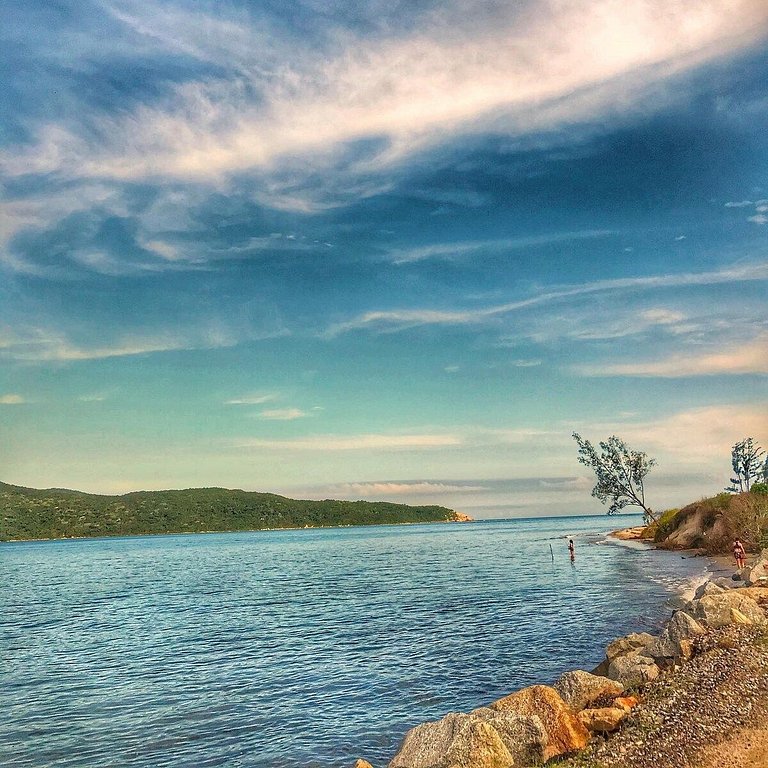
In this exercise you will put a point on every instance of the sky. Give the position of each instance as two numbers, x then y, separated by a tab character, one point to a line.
382	250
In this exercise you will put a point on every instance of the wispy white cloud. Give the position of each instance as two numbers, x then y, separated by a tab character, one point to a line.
621	324
410	90
366	442
463	249
42	209
44	345
282	414
396	320
760	208
92	398
12	399
388	489
750	357
700	436
253	399
521	363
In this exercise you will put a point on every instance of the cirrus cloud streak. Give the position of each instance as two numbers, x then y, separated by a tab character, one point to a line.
408	91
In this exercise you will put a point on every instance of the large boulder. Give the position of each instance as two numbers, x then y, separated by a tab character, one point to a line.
565	733
717	610
362	764
757	573
524	736
633	669
708	588
603	719
456	741
758	594
637	641
580	689
670	645
729	583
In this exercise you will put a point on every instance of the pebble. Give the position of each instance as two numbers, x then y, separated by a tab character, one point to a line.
723	687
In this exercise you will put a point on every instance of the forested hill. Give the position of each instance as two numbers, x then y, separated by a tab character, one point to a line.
28	513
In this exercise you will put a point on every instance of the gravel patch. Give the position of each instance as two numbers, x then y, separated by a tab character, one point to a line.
711	712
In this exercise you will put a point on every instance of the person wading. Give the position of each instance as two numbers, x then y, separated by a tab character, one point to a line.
739	554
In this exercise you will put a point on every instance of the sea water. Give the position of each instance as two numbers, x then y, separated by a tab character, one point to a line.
301	648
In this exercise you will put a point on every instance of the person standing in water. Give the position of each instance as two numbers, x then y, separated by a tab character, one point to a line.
739	554
571	549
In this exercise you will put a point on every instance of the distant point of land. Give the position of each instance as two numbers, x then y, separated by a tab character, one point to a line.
29	513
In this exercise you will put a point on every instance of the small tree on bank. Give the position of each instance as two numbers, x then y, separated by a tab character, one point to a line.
620	473
746	461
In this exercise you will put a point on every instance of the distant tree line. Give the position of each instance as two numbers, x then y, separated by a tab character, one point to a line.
27	513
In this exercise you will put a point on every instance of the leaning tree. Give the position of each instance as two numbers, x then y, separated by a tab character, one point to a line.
620	473
746	461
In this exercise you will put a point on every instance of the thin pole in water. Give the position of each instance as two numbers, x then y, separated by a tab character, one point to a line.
552	552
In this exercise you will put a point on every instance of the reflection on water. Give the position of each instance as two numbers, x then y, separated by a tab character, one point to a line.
300	648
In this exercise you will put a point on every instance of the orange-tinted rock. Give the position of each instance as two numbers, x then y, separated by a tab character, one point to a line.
565	732
580	689
362	764
627	703
686	649
602	720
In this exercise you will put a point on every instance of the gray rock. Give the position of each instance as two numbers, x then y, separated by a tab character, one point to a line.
668	645
731	582
718	610
633	669
757	573
708	588
456	740
525	737
628	644
581	689
484	738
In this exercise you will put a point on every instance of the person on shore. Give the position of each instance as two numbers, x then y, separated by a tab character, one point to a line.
739	554
571	549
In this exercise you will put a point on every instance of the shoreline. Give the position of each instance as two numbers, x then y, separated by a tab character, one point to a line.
694	696
236	530
635	533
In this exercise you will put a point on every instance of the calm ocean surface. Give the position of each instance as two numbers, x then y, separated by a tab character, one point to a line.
301	648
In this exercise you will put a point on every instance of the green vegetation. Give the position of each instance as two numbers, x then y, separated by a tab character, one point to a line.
714	523
662	527
620	473
27	513
748	466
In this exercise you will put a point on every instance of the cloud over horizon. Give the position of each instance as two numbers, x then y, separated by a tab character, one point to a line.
464	228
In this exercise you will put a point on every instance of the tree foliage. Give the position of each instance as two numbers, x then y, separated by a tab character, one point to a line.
620	473
748	467
27	513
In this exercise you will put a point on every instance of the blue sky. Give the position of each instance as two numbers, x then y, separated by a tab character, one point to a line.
382	250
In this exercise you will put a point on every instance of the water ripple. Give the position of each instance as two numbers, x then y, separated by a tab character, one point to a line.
298	649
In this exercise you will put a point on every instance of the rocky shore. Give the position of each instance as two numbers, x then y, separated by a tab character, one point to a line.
695	696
